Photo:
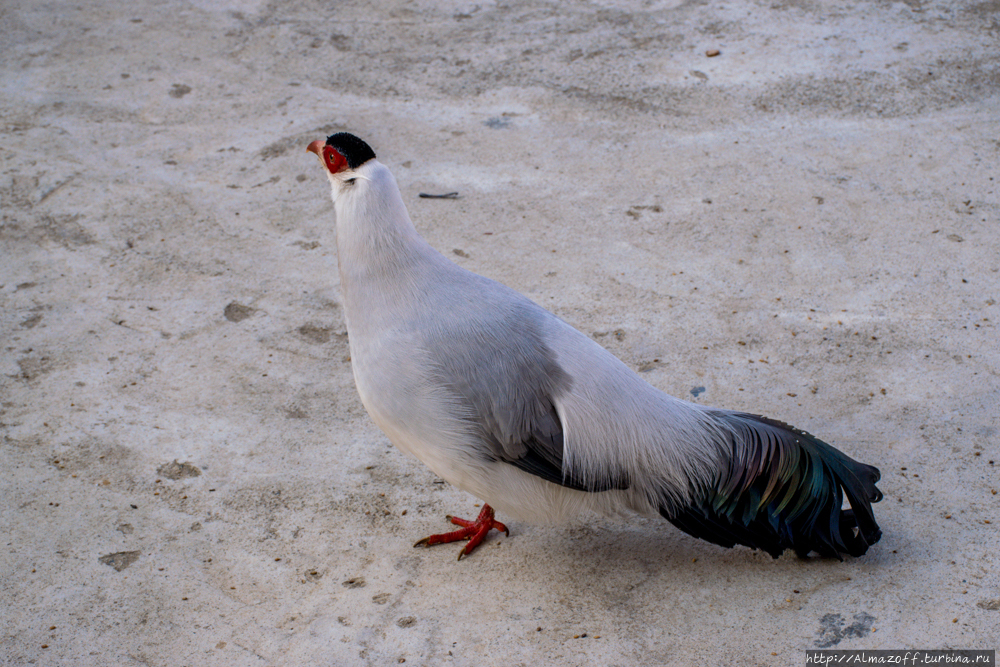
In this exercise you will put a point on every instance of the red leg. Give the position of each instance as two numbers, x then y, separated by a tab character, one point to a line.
473	531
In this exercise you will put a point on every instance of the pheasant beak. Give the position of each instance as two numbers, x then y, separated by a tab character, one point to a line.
317	148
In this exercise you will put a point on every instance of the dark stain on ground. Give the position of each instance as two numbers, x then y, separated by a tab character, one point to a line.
354	582
314	333
237	312
832	629
32	367
296	413
64	230
175	470
119	560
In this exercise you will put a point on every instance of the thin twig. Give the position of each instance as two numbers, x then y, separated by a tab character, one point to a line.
449	195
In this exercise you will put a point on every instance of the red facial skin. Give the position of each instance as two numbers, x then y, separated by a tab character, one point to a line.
332	159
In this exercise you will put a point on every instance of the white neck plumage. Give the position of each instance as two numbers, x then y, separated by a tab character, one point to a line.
376	241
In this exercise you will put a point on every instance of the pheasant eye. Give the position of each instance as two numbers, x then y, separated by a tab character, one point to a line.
335	162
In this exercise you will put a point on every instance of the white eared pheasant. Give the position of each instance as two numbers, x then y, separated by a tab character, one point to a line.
506	401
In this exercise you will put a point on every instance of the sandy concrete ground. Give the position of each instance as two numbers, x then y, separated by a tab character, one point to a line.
804	226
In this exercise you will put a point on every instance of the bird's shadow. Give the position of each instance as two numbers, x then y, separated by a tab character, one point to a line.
620	559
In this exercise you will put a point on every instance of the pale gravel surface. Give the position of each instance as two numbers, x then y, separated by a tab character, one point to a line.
806	226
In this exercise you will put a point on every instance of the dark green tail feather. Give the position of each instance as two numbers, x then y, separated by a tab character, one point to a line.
783	490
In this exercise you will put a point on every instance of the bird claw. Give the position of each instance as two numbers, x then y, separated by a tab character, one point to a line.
473	531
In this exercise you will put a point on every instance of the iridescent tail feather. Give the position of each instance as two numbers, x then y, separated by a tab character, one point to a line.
783	489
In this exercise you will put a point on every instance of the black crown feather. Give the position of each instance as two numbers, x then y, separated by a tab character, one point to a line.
354	150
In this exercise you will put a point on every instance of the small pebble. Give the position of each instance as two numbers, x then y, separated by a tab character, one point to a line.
711	53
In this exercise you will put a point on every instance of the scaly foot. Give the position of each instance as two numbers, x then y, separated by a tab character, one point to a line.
474	531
